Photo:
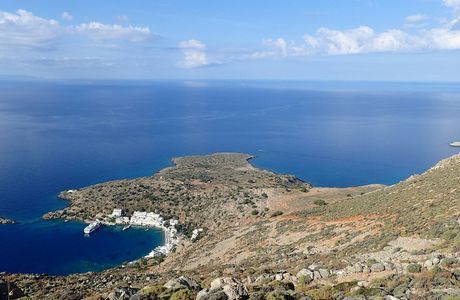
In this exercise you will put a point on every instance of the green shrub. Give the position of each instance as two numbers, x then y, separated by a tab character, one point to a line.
276	213
303	284
437	269
183	295
153	290
414	268
278	295
305	279
153	197
368	292
448	262
321	293
345	286
320	202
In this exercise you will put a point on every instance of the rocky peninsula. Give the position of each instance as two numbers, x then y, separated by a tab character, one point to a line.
272	236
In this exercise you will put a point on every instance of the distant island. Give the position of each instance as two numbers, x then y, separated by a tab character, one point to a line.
248	233
4	221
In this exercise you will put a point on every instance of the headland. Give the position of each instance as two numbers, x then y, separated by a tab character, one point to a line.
243	232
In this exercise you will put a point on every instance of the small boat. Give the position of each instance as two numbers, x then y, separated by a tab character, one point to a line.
147	229
455	144
126	227
92	227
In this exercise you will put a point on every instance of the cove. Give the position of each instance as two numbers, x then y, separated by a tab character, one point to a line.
59	248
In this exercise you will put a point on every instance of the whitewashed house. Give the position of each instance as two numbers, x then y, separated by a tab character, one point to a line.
117	212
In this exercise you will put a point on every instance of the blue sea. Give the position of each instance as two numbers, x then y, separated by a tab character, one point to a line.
58	135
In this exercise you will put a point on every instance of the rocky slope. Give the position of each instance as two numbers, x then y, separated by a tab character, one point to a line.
271	236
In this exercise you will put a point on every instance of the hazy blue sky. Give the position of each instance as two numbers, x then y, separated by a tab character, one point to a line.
407	40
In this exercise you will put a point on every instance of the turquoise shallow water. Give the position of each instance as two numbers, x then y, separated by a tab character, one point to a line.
64	135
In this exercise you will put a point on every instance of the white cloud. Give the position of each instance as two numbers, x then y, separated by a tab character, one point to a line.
454	4
444	39
192	44
66	16
339	42
278	48
72	62
194	53
25	30
364	39
416	18
99	32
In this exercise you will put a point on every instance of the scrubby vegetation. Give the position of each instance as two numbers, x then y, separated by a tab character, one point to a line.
279	238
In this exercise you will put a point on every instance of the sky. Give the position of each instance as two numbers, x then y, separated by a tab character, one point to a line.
388	40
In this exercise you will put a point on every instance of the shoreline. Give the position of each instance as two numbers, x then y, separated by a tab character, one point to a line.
256	223
146	220
6	221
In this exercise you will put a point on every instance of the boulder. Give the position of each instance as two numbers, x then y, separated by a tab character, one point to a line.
182	283
262	277
207	295
358	268
363	283
389	266
428	263
287	276
316	275
122	294
324	273
377	267
224	288
305	273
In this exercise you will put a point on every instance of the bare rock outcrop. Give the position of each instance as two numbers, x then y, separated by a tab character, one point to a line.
224	288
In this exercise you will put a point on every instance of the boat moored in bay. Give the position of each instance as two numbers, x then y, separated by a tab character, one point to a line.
92	227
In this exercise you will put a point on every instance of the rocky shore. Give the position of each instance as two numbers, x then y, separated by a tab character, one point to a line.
4	221
270	236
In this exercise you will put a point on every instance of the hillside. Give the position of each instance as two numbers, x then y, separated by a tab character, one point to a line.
271	236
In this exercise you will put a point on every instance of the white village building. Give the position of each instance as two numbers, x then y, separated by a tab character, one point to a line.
196	233
143	218
117	212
